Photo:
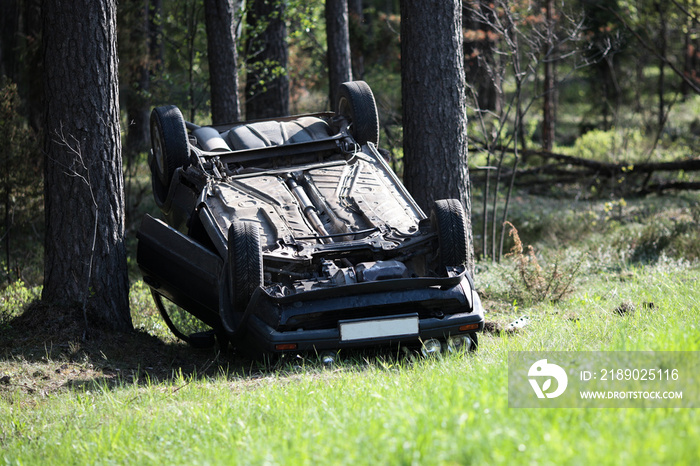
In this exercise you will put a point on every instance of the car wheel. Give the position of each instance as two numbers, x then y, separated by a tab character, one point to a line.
356	103
448	221
475	342
245	263
169	144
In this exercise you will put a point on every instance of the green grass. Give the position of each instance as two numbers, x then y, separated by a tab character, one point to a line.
70	405
384	410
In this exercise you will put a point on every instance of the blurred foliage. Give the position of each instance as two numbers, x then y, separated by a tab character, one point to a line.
21	182
13	298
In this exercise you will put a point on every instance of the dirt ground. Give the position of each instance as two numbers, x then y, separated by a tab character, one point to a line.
48	349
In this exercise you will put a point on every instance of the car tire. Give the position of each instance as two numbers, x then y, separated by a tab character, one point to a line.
356	103
449	222
475	342
245	263
170	147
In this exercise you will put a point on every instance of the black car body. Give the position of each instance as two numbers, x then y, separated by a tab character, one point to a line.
293	234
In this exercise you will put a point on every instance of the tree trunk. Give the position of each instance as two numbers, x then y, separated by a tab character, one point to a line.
479	45
356	35
549	91
220	16
338	38
9	34
691	60
434	104
661	84
267	83
34	66
156	48
134	54
85	256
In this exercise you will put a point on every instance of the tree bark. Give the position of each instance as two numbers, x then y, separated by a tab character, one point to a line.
156	47
356	35
85	256
549	91
661	85
220	16
134	57
434	104
338	38
34	66
267	83
9	33
479	45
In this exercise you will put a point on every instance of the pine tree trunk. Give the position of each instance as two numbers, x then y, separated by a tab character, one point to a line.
549	90
134	54
338	38
356	35
267	83
480	67
156	47
9	34
434	103
220	16
85	256
661	83
34	67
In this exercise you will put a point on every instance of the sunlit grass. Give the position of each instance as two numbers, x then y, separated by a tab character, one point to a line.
396	409
386	410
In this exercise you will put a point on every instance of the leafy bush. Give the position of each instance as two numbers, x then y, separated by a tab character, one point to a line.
534	283
675	238
611	146
13	298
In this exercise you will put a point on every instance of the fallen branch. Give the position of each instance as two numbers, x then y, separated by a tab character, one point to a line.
604	168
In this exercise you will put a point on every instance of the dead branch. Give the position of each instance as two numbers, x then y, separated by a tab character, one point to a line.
601	168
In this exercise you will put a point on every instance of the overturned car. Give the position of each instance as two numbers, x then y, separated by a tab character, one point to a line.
293	234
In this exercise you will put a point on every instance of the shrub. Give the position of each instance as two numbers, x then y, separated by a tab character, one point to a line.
535	283
611	146
13	298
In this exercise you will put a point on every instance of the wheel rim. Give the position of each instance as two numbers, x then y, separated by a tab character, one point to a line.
344	110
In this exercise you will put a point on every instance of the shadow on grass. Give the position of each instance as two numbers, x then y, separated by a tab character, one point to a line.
48	349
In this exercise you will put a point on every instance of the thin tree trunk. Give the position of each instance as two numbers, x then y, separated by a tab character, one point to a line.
267	83
34	67
9	34
134	54
549	90
85	255
479	46
661	85
193	20
156	46
356	34
223	59
338	38
691	61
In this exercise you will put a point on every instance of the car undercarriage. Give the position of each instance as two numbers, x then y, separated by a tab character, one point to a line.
294	234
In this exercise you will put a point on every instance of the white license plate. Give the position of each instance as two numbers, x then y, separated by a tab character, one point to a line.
378	328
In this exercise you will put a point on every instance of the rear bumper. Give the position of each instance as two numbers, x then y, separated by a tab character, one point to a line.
311	321
264	338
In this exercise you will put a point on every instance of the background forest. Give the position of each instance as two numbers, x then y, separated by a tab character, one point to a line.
578	98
